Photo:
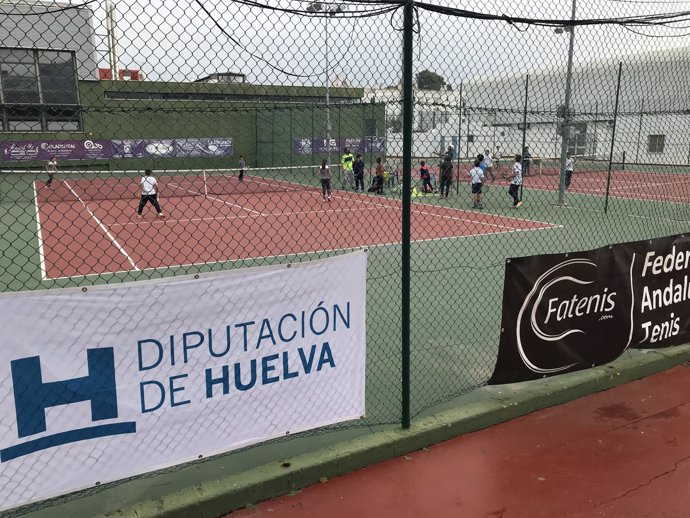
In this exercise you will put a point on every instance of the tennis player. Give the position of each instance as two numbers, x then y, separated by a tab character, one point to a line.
243	167
325	176
51	169
516	182
149	193
569	167
476	178
446	176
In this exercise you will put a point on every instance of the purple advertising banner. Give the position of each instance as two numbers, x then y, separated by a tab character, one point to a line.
172	148
309	145
62	149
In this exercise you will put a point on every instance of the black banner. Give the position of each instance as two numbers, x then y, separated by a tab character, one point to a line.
566	312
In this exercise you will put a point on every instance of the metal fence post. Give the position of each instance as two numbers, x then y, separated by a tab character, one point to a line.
406	207
524	131
457	182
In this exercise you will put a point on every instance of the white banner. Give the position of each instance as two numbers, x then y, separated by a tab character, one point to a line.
115	381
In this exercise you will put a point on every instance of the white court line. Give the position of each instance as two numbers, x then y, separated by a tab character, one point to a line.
41	254
602	193
328	250
104	228
194	193
466	220
245	216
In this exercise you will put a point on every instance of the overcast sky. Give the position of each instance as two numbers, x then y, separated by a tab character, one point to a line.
175	40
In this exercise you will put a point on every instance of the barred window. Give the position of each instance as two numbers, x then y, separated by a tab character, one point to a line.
38	91
655	143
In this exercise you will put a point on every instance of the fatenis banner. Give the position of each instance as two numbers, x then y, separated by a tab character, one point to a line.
114	381
566	312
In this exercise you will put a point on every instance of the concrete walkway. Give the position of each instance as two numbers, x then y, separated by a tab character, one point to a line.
620	453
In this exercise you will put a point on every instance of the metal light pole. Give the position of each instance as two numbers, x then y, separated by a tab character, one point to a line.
328	104
566	114
317	7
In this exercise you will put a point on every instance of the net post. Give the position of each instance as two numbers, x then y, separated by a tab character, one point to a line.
205	183
613	138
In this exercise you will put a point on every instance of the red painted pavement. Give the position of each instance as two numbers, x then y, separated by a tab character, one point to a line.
623	453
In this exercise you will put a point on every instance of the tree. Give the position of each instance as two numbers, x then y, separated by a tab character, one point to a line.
428	80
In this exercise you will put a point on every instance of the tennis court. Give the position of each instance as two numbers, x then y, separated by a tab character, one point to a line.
590	177
88	226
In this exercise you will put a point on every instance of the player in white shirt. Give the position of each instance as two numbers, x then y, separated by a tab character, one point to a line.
149	193
51	169
476	178
516	182
569	167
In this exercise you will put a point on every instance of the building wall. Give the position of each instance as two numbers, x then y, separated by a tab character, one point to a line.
63	30
262	129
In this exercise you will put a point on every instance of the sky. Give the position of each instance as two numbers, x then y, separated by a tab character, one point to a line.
175	40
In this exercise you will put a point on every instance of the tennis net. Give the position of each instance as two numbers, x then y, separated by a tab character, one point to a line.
114	185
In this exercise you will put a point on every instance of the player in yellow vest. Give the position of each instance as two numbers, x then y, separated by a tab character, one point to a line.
346	163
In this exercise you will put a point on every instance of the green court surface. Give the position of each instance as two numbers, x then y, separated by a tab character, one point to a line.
457	282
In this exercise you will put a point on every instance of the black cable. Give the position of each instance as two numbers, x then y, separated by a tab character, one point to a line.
240	45
50	11
659	35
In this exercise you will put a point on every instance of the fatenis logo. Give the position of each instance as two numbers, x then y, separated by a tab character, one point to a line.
569	303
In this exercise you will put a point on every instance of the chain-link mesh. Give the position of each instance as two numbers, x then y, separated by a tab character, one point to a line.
234	107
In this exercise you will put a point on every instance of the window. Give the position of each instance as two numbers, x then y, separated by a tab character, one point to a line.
655	143
38	91
442	117
426	121
370	127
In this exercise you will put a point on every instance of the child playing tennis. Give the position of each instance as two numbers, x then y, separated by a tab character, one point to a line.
325	177
476	178
149	193
425	175
516	182
569	167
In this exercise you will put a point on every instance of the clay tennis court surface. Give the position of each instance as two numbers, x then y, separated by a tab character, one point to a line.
80	235
622	453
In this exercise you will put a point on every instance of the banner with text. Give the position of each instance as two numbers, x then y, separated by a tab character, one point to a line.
62	149
566	312
127	148
114	381
172	148
309	145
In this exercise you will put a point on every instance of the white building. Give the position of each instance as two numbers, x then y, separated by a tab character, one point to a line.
653	123
437	119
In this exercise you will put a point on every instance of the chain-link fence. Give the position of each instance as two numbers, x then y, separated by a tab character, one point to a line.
242	111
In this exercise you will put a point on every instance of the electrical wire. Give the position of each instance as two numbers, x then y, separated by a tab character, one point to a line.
51	11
